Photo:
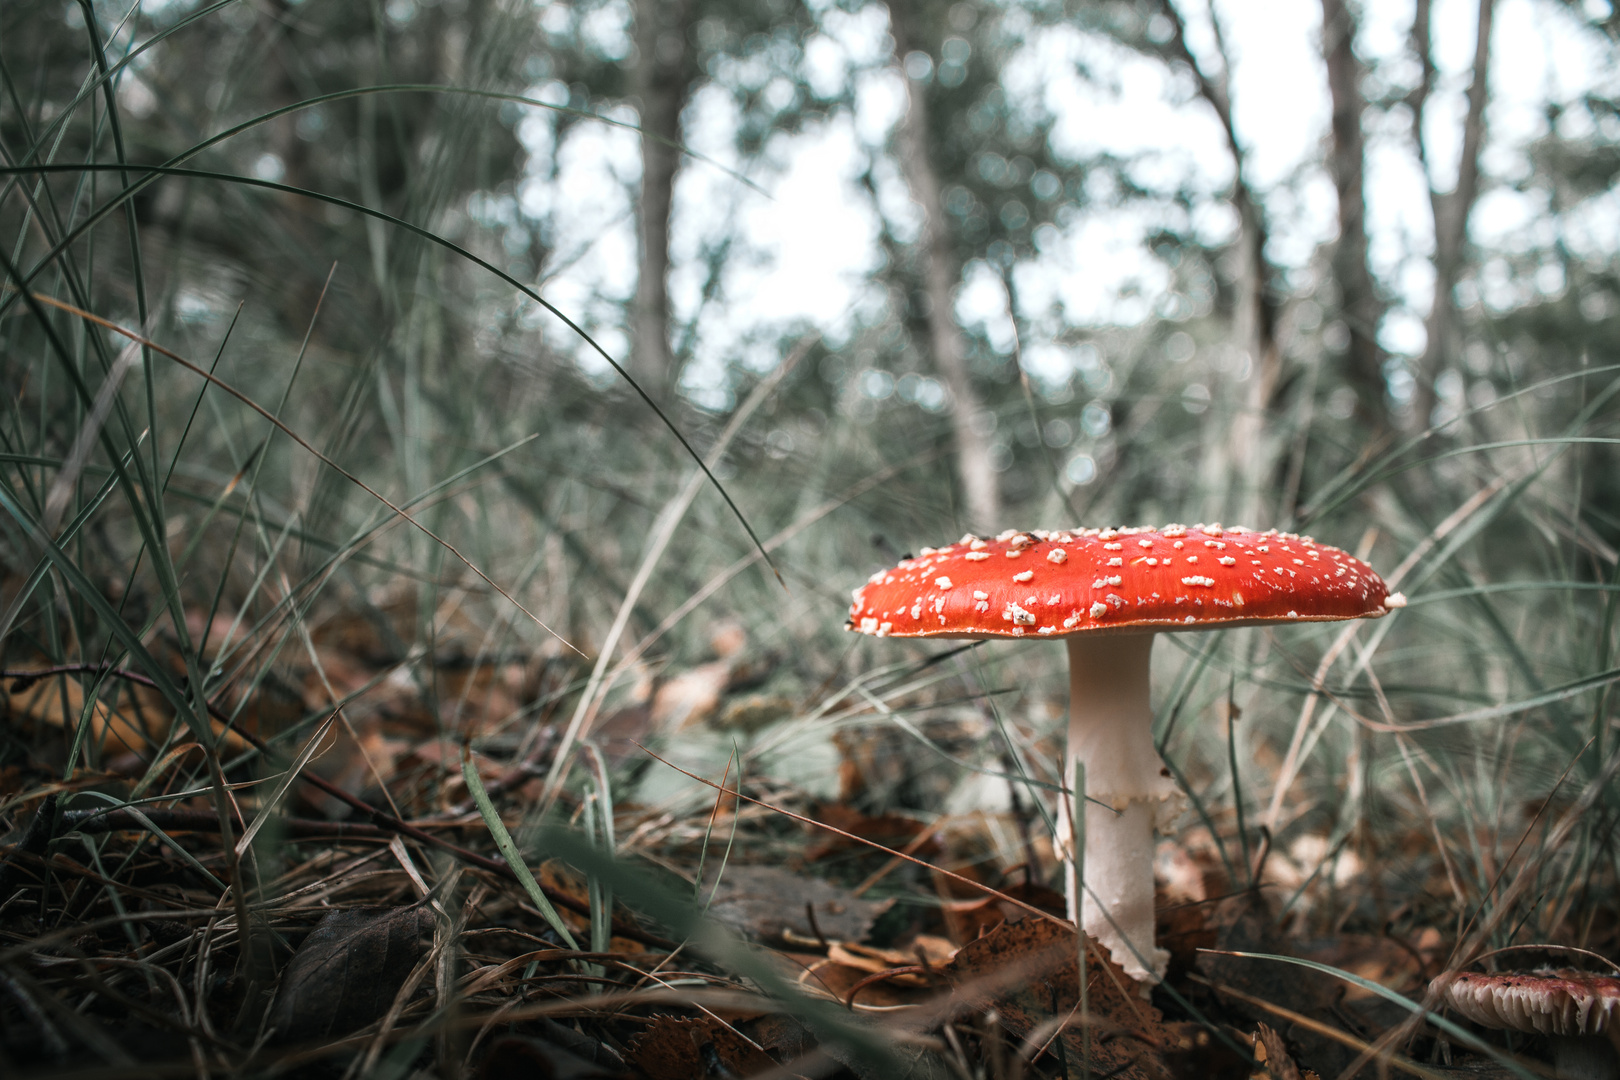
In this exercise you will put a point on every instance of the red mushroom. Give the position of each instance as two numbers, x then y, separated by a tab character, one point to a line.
1108	591
1574	1009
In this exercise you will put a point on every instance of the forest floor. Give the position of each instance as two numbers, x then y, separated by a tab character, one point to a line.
771	933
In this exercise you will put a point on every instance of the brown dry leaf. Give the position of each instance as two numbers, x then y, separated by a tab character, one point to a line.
1027	972
970	918
690	697
1377	959
827	976
936	951
891	830
1183	929
1276	1063
679	1049
135	724
761	902
347	971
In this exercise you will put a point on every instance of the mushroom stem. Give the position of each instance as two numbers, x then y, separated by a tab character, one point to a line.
1111	732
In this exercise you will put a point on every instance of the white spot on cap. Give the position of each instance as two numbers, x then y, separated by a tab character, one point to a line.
1113	547
869	626
982	605
1395	600
1293	614
1151	561
977	545
1116	562
1196	580
1144	543
977	556
1025	576
1048	630
876	578
978	595
1057	555
1098	610
943	582
1227	560
883	629
1018	616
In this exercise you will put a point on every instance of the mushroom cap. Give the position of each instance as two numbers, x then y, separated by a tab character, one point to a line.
1551	1001
1129	580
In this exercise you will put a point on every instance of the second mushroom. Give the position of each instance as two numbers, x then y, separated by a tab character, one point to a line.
1107	592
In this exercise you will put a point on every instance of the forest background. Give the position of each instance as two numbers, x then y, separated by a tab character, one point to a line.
892	272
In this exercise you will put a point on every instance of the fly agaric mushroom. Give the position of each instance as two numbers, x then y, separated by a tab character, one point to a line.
1574	1009
1108	591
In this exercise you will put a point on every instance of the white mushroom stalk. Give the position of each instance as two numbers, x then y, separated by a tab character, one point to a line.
1111	733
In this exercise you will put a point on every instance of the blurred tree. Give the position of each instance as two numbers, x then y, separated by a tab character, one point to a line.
680	48
980	164
1451	209
941	270
1244	473
1359	303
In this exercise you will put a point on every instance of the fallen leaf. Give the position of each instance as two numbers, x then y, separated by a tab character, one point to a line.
848	964
891	830
347	971
1276	1063
690	697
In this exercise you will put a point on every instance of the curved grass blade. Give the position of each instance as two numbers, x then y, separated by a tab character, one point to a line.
24	280
509	851
1460	1034
301	441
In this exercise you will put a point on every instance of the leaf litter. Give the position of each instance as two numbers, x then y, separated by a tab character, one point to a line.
374	935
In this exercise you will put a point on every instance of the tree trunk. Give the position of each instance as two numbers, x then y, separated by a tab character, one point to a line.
661	85
1358	299
981	495
1451	214
1250	459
